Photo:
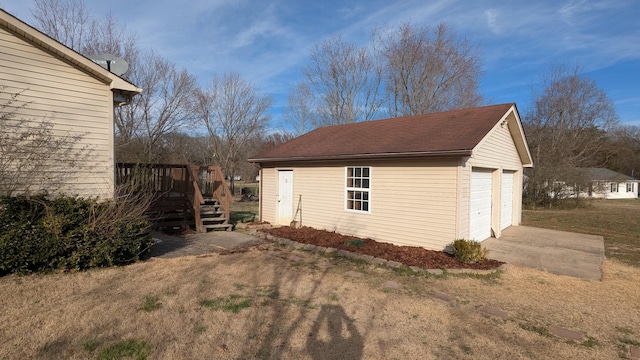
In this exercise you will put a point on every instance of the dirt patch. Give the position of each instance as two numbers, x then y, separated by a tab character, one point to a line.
408	255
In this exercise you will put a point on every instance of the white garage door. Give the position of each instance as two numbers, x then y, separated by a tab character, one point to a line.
506	211
480	216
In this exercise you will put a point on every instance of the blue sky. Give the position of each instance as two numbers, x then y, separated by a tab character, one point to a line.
268	42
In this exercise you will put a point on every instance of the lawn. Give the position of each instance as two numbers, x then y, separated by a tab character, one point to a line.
275	302
618	221
244	211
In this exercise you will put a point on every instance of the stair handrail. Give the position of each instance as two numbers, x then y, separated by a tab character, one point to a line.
222	193
195	195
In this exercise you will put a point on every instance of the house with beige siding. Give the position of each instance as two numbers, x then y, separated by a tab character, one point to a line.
421	180
41	80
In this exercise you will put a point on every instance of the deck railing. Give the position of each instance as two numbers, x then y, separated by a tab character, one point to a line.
213	185
196	183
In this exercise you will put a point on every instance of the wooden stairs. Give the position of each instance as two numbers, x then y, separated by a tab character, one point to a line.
213	216
185	196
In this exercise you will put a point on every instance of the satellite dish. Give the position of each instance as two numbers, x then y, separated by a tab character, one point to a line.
111	63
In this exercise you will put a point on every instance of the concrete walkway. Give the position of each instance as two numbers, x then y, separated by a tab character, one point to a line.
558	252
168	246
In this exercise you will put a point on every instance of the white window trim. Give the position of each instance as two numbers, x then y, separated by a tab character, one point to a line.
631	186
617	187
347	189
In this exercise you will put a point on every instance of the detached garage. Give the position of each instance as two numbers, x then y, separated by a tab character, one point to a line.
421	180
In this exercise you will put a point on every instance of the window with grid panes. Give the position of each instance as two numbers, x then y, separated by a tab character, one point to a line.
358	188
614	187
630	187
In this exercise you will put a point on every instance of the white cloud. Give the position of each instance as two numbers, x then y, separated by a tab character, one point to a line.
492	21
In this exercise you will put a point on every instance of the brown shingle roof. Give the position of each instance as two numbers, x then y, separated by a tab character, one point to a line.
449	133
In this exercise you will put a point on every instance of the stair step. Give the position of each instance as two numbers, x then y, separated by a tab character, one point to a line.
217	226
211	212
213	220
210	206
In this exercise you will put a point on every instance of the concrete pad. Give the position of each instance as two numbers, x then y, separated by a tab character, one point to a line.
227	240
169	246
558	252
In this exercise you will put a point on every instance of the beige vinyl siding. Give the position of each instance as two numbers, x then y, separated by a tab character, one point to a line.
77	103
268	201
496	151
464	198
411	202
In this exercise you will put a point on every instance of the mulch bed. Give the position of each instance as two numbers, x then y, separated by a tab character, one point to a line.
408	255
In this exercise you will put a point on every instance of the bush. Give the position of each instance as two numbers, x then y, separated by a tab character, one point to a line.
469	251
40	234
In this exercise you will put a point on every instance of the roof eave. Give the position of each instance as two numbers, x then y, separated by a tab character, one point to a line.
53	46
402	155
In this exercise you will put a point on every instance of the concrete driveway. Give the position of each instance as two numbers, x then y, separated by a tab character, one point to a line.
558	252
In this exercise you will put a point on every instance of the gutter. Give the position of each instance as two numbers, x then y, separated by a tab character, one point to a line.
397	155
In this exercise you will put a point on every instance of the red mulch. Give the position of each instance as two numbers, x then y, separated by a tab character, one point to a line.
408	255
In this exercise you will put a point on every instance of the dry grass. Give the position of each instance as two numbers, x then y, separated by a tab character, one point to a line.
279	303
618	221
290	304
244	211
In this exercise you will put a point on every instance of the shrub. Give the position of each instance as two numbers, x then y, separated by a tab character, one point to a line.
41	234
468	251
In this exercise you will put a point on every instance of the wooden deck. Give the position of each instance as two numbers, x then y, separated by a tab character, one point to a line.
183	195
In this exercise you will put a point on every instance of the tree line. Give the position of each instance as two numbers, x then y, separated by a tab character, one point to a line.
413	69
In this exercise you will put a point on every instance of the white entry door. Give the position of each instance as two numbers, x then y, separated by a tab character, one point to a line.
285	197
506	196
480	216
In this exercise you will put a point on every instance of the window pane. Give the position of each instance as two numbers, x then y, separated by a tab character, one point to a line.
358	182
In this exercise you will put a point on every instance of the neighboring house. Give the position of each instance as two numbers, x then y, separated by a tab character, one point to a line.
422	180
74	93
609	184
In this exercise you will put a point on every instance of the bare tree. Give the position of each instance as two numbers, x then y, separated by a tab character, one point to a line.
234	113
566	128
67	21
110	37
345	82
429	70
163	107
626	150
299	116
